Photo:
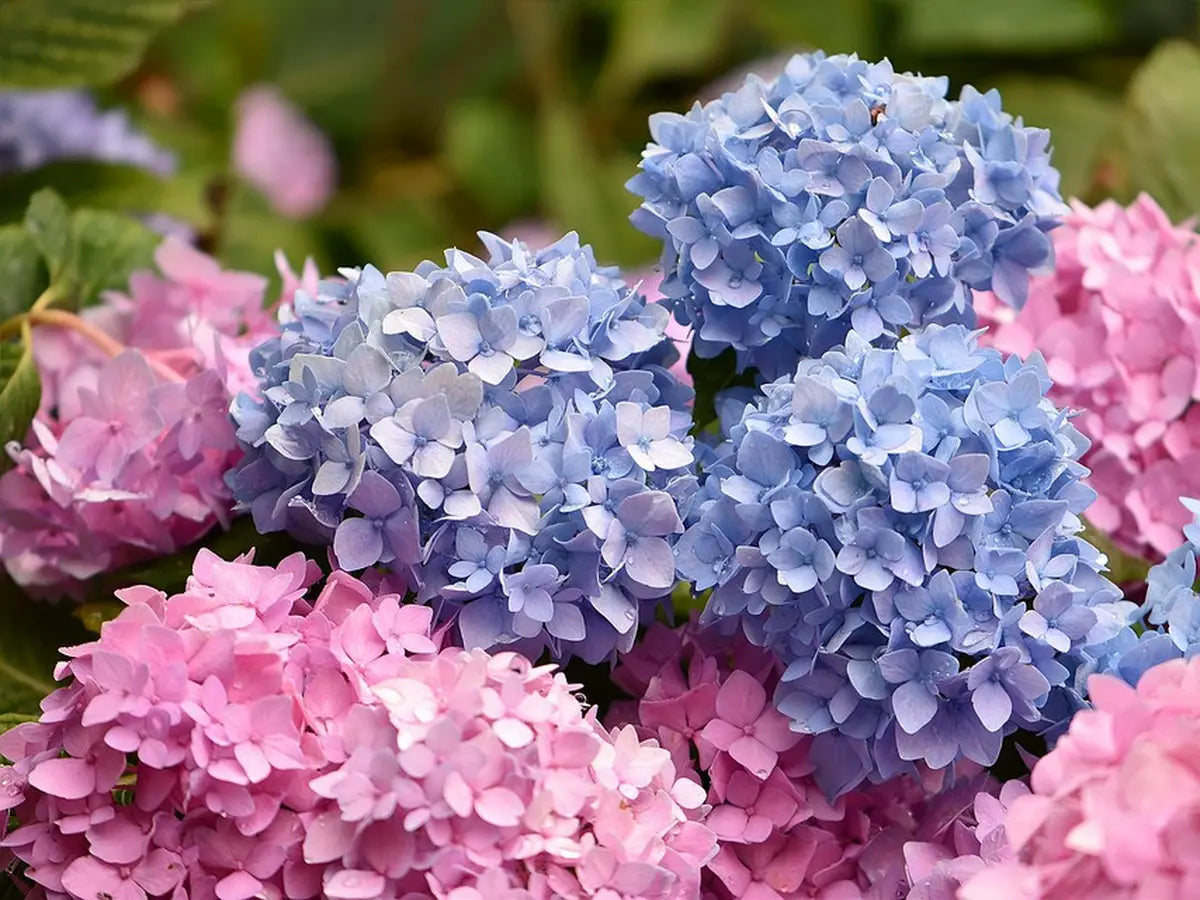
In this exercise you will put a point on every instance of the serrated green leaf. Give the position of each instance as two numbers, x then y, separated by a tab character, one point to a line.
108	247
22	275
20	394
77	42
30	640
48	221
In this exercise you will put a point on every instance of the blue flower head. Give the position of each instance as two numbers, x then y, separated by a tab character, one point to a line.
842	194
900	525
502	435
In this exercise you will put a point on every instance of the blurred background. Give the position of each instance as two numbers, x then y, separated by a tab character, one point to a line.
449	116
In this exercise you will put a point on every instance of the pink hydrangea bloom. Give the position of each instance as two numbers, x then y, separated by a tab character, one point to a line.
1118	322
280	152
1114	812
127	456
237	740
705	698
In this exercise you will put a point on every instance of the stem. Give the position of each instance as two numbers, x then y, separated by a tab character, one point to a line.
59	319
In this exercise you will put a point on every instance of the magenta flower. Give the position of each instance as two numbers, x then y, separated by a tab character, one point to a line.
748	727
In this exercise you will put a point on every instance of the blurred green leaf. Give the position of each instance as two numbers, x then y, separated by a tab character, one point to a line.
77	42
487	148
12	720
48	221
1161	127
253	232
1023	26
841	27
109	247
653	38
22	276
1081	120
20	394
583	191
32	634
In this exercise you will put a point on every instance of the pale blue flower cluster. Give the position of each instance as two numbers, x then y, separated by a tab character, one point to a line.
841	194
503	435
901	527
1170	616
38	127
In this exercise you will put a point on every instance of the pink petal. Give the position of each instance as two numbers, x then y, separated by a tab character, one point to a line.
740	699
238	886
68	778
355	884
758	758
499	806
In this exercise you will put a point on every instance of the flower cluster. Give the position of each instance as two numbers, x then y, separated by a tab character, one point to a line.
899	526
1118	322
128	454
841	194
237	741
1115	806
40	127
704	697
502	435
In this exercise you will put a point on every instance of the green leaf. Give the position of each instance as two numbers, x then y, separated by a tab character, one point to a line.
108	248
22	276
1025	26
20	394
1161	128
709	378
841	27
48	221
654	38
30	640
486	146
77	42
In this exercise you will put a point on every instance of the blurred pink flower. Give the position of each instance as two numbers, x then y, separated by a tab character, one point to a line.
1118	322
282	153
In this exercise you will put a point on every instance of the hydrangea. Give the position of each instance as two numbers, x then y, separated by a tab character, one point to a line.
282	153
705	697
841	194
1170	616
127	456
502	435
1118	322
236	740
900	527
1114	807
43	126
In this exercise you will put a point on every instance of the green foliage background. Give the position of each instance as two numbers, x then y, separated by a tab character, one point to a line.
453	115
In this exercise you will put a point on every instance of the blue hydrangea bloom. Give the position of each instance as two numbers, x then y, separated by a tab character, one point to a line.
1170	617
841	194
43	126
900	525
503	435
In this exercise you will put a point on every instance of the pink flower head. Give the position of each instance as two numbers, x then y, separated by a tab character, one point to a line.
1118	322
127	457
280	152
706	698
238	740
1114	810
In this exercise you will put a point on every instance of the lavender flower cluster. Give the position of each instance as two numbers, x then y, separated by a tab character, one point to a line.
841	194
504	436
40	127
900	527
